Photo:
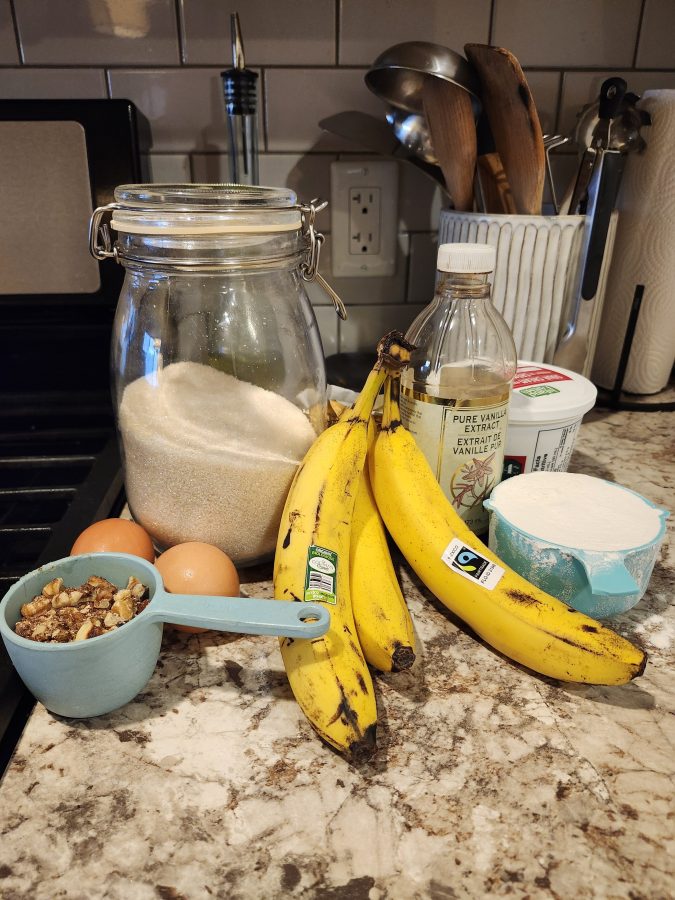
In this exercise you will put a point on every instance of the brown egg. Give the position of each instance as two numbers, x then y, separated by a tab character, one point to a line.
115	536
196	568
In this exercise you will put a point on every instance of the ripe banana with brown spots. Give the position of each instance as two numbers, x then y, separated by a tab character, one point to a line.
383	622
504	609
329	675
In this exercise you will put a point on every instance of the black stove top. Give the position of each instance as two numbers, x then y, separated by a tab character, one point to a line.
59	464
59	471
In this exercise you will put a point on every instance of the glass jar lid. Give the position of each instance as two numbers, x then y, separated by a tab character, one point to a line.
193	209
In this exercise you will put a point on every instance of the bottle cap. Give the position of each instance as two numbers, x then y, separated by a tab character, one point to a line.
466	258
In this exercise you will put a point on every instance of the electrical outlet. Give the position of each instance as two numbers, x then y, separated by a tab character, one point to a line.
364	217
365	208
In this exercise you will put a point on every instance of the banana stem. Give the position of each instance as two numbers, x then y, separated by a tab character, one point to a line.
364	402
391	412
393	351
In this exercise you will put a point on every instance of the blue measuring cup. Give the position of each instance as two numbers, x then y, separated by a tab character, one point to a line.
94	676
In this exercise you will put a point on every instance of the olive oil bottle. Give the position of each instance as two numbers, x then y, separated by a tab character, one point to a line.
455	392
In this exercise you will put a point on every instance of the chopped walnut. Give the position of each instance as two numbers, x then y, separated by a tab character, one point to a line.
123	605
36	606
63	614
49	590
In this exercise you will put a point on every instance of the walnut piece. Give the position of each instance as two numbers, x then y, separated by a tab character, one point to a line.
53	588
123	605
36	606
63	614
84	630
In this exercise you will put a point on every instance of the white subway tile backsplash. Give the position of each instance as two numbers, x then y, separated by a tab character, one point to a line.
570	33
567	48
185	106
545	87
359	291
169	168
210	168
283	32
422	268
367	27
365	325
9	52
98	32
297	99
52	84
306	174
657	35
420	200
580	88
327	321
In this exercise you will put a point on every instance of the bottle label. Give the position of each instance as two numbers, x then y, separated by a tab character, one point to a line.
321	575
464	447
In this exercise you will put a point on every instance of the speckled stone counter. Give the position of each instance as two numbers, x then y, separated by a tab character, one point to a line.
487	780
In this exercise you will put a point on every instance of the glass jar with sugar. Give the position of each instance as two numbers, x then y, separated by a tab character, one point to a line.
218	369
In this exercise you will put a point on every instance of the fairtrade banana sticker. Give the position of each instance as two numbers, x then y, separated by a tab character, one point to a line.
470	564
321	575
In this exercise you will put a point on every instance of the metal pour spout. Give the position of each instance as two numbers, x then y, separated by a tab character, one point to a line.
237	42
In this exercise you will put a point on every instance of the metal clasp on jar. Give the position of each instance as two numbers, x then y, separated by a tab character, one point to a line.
310	268
98	229
101	245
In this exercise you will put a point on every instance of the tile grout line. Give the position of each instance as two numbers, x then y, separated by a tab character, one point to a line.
639	33
17	34
338	23
138	67
492	21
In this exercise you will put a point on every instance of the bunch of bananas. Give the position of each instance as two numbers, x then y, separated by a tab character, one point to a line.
332	548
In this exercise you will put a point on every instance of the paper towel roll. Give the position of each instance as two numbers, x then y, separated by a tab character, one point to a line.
644	253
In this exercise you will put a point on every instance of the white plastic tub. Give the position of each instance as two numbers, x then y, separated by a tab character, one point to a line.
546	409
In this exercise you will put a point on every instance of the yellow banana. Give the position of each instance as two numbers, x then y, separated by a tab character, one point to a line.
328	675
383	623
504	609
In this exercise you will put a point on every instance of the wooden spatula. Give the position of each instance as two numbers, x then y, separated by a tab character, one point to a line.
449	115
495	190
514	123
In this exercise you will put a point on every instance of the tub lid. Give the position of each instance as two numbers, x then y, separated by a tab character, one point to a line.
545	393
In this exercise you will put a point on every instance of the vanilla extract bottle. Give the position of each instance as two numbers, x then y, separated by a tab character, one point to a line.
455	392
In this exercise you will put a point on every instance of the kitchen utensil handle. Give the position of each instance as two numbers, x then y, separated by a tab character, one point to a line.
612	580
581	183
608	188
607	573
611	96
244	615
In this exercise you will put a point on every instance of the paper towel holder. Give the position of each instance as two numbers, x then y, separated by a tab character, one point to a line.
613	397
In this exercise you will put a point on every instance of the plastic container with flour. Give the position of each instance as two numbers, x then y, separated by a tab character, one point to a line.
586	541
547	406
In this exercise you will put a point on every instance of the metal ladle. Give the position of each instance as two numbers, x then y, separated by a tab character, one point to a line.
412	131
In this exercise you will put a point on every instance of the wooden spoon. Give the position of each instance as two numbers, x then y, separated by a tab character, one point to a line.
494	185
449	115
514	123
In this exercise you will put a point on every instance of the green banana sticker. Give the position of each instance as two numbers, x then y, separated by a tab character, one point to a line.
321	575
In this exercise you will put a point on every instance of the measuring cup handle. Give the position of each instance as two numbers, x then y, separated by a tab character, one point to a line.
281	618
611	578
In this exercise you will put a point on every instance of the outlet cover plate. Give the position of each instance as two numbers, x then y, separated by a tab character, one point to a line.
364	217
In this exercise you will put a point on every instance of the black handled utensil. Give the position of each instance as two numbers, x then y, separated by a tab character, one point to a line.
604	179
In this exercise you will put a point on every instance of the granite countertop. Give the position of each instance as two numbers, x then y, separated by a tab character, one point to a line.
487	779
